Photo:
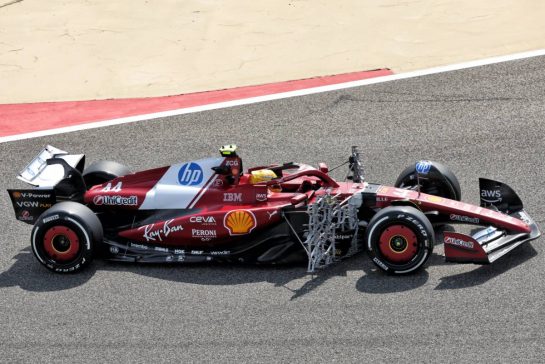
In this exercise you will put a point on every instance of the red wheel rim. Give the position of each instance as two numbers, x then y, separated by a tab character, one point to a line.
398	244
61	243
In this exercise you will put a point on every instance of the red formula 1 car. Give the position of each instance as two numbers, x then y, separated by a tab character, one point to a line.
213	210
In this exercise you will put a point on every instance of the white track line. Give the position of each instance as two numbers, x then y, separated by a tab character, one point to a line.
282	95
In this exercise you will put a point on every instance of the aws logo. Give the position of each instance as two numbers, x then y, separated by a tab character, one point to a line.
239	222
491	196
190	174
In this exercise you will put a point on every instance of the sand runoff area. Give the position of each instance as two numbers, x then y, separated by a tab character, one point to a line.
60	50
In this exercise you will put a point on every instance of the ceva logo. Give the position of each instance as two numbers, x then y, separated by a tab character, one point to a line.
190	174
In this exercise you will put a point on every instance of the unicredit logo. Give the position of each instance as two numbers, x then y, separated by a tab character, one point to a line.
459	242
115	200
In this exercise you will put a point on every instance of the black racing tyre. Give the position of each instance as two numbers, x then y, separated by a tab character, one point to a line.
103	171
65	237
441	181
399	239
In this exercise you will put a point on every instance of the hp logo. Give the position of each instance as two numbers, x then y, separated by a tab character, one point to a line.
423	167
190	174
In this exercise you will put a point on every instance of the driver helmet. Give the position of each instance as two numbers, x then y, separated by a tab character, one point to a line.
262	175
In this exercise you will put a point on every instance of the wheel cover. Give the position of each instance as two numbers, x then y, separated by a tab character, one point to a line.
61	243
398	244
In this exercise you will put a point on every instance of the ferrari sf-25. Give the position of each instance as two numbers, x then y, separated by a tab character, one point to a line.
214	210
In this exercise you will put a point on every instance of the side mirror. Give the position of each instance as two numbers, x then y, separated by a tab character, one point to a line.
322	167
224	171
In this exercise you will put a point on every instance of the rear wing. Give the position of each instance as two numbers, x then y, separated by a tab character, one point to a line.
54	175
40	173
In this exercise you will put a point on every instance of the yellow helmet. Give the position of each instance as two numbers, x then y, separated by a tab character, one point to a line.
262	175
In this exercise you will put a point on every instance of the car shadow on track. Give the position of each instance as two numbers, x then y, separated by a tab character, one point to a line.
30	275
376	282
486	272
293	277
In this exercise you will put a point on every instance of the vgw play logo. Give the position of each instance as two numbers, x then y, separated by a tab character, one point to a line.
190	174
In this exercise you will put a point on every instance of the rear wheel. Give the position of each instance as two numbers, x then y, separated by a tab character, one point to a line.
103	171
439	181
64	237
399	239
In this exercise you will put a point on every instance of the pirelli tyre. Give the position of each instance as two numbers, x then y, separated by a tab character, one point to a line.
438	180
103	171
399	239
65	236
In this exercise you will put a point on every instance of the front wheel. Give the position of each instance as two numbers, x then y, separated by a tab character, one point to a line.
438	181
64	237
399	239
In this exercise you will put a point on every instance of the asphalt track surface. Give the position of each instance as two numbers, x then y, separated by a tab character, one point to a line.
486	121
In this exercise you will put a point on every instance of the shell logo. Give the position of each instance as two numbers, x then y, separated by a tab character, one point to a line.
239	222
17	194
383	189
434	199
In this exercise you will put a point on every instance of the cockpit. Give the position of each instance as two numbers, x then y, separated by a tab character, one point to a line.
288	177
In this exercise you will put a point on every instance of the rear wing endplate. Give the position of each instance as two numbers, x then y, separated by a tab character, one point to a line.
39	173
